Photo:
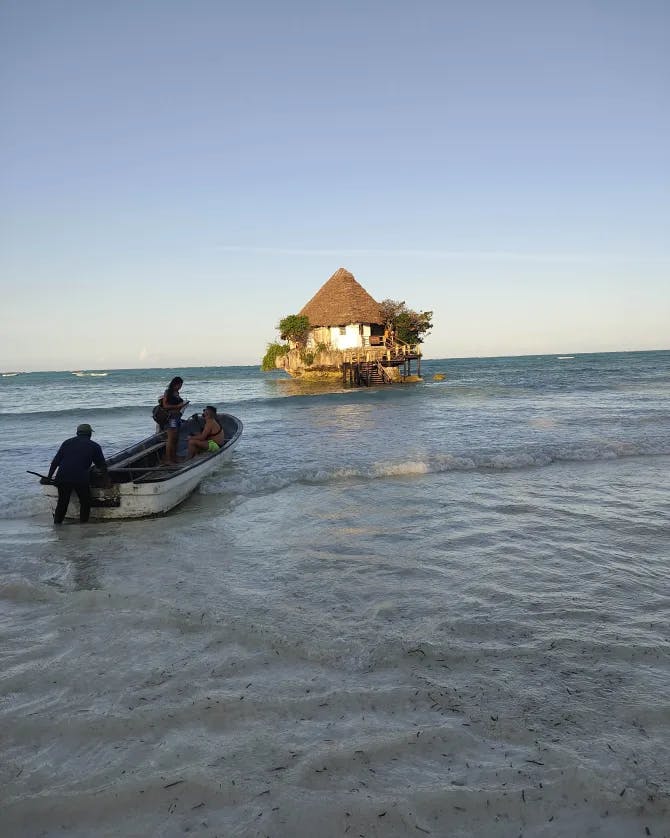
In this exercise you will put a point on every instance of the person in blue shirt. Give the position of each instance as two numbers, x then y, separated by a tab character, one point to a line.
73	461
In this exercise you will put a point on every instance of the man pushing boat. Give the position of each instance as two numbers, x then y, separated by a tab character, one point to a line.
73	461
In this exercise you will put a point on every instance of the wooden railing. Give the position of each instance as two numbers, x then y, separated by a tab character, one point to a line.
383	373
398	349
402	348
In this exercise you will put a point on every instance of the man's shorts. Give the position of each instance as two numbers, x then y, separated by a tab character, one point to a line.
174	421
213	447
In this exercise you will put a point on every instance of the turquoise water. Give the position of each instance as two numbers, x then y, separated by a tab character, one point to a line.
446	602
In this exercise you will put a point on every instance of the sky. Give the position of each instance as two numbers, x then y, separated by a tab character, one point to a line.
176	177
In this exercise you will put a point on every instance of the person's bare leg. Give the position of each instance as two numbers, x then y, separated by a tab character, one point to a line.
196	446
171	446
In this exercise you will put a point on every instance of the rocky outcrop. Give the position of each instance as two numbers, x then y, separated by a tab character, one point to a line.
298	362
357	366
324	363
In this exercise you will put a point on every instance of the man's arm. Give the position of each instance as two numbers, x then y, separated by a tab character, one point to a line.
206	431
55	462
99	458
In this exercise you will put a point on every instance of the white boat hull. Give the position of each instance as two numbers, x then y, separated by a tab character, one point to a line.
156	495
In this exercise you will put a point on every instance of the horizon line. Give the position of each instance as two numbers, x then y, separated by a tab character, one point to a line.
573	353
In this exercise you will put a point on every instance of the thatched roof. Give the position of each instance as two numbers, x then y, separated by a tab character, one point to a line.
340	301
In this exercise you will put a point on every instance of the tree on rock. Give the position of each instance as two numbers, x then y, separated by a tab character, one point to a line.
294	328
409	326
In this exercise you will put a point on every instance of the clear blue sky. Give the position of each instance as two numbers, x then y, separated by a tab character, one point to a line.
177	176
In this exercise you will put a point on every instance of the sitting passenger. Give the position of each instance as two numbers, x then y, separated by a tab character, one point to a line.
210	438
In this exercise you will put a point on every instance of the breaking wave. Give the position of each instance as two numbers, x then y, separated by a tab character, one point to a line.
257	484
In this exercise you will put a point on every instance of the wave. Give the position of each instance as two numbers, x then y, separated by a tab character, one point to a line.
90	374
228	405
264	484
76	411
489	462
239	484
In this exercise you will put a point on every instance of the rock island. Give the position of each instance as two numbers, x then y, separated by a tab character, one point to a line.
343	332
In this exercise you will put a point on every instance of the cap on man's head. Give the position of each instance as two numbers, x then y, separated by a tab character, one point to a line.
84	430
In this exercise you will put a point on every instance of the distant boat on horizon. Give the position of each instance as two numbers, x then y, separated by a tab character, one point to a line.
9	374
566	357
92	374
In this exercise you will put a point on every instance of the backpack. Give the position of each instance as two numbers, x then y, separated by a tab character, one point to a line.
160	415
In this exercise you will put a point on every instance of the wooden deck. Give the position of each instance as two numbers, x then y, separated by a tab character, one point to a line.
368	366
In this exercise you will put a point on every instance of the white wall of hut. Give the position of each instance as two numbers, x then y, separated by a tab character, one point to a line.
350	336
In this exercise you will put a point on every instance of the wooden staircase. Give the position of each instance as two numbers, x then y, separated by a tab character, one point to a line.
373	366
372	373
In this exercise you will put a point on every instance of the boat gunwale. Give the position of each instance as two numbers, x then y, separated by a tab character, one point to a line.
183	468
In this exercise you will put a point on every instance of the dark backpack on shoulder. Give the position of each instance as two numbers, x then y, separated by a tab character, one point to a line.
160	415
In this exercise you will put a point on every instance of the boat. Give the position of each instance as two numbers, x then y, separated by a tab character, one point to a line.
82	374
140	485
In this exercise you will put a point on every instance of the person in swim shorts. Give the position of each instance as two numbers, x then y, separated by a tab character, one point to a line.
210	439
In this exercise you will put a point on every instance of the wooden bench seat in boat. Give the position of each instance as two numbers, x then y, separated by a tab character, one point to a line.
138	455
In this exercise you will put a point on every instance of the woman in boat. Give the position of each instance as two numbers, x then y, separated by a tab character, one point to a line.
210	439
174	404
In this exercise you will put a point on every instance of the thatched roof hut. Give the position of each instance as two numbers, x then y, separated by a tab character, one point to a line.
340	301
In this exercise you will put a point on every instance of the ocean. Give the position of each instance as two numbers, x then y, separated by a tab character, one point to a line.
436	609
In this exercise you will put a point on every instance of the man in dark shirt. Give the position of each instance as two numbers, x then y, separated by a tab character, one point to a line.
73	461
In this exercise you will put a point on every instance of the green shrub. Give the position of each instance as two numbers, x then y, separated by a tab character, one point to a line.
307	358
295	327
410	326
274	351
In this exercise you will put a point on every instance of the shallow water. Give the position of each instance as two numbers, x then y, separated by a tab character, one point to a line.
439	609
